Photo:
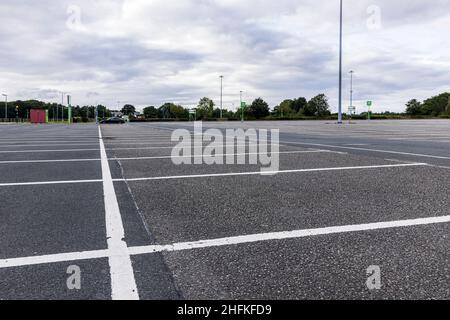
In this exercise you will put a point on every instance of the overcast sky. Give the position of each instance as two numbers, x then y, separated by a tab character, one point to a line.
147	52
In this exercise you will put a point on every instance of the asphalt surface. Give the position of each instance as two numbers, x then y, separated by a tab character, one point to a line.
53	208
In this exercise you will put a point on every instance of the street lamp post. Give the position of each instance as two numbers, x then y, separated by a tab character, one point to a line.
62	106
351	94
351	87
6	106
221	97
240	105
340	67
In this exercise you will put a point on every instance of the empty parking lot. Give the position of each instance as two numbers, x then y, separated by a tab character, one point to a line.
109	201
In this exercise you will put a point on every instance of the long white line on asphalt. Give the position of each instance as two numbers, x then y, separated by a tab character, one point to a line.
48	161
45	151
123	284
216	175
86	144
262	237
226	154
367	149
109	149
43	183
271	173
54	258
162	157
222	242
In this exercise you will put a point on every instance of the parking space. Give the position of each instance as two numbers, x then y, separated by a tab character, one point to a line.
112	202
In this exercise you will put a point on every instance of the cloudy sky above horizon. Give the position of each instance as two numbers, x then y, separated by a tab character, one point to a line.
147	52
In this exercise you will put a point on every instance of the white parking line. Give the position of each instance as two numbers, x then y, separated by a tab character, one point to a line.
123	284
269	173
86	144
263	237
367	149
226	154
161	157
47	161
42	183
108	149
45	151
54	258
217	175
221	242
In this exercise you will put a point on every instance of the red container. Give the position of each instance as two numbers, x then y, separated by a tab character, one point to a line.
37	116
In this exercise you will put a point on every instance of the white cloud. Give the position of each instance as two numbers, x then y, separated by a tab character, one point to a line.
148	52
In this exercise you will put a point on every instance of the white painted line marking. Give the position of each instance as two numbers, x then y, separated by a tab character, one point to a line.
287	235
108	149
44	151
48	161
238	240
123	284
157	157
171	147
53	258
42	183
214	175
226	154
47	145
272	173
368	149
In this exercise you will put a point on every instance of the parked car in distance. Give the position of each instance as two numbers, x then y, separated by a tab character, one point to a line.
114	120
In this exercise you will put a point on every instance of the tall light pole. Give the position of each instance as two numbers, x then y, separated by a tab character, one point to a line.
351	87
221	97
6	106
340	67
240	106
62	106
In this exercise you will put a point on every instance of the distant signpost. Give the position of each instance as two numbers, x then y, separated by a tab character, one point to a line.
192	114
369	106
243	106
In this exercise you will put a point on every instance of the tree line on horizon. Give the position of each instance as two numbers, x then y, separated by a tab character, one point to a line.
435	106
21	110
258	109
299	108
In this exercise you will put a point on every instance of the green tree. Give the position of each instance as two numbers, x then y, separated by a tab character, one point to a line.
285	107
298	105
128	109
318	106
259	109
205	108
170	110
436	105
413	107
150	112
447	109
178	112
